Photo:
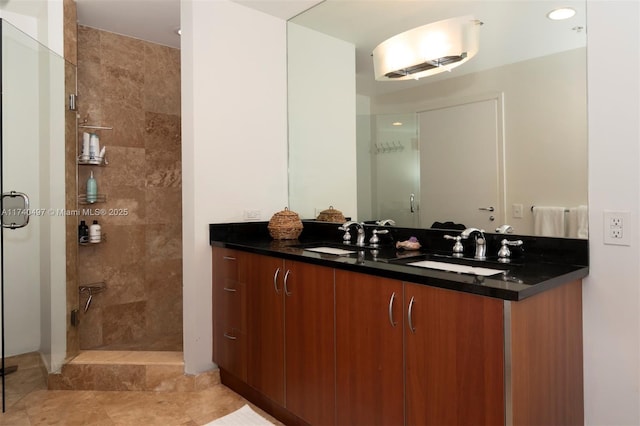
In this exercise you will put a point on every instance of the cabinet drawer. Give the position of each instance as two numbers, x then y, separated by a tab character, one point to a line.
229	349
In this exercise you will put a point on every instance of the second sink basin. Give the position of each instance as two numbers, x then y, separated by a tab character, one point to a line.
454	267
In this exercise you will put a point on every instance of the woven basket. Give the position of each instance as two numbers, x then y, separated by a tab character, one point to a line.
331	215
285	225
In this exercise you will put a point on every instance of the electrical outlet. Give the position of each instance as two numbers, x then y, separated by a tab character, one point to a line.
617	228
252	215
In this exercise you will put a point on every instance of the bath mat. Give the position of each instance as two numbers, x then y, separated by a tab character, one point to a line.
244	416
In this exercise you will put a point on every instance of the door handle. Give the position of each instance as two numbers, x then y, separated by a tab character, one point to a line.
487	209
410	316
412	203
15	210
393	296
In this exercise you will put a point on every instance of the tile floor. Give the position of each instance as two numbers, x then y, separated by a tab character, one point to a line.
139	408
29	403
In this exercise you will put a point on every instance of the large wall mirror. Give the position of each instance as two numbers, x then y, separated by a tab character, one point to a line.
501	139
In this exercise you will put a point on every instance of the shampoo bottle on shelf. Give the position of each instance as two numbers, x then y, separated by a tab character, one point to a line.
95	232
92	189
83	233
94	146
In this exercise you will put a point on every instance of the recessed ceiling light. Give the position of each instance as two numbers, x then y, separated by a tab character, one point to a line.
561	13
396	123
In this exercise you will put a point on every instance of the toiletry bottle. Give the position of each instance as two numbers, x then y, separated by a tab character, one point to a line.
94	146
85	146
92	189
95	232
83	232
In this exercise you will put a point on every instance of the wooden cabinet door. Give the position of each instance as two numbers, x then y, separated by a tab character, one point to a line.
229	312
309	343
266	323
369	364
454	357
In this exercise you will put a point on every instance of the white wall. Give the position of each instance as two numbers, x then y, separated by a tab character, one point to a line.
611	295
234	140
322	155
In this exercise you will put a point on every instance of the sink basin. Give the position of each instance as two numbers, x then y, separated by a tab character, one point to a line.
454	267
331	250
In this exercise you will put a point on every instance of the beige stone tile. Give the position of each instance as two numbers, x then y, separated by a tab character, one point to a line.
143	408
164	206
163	132
88	44
122	52
128	122
66	408
126	168
124	322
162	79
207	379
163	169
162	242
14	417
173	358
167	378
207	405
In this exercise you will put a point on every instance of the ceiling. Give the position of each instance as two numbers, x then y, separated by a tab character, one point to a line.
512	31
157	20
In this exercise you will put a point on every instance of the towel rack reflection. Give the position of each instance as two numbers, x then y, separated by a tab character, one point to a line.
565	210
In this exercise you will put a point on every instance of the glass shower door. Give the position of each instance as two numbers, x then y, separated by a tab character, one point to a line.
32	187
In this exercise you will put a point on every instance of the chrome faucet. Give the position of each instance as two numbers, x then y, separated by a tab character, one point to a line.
481	242
386	222
346	238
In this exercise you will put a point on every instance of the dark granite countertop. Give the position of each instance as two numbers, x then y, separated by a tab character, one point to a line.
525	276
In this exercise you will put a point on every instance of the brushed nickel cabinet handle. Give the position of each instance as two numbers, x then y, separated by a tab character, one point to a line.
275	281
286	277
228	258
230	290
393	296
230	337
409	316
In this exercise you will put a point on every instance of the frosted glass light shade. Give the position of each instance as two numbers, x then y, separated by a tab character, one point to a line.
427	50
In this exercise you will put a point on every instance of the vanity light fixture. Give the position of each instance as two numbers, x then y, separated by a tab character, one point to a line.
561	13
427	50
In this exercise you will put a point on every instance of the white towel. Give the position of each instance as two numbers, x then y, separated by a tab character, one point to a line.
244	416
578	222
549	221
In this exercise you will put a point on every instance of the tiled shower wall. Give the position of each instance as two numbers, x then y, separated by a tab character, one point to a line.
134	87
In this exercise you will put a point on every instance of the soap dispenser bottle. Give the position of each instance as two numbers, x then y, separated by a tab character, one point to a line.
92	189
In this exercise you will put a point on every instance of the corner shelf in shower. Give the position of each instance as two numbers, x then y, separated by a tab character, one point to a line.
100	198
100	162
103	239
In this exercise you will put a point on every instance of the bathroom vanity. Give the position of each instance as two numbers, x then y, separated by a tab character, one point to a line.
366	338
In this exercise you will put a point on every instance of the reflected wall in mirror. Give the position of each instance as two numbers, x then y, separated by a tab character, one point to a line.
528	81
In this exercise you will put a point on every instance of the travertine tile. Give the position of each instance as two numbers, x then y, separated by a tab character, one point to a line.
134	87
162	84
123	323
